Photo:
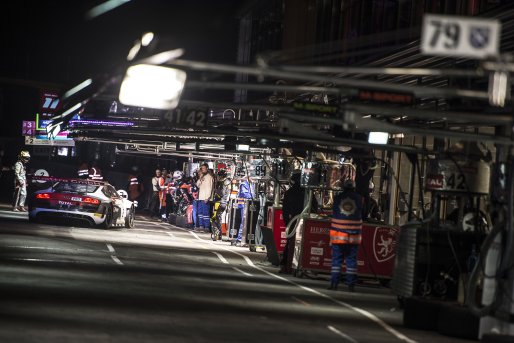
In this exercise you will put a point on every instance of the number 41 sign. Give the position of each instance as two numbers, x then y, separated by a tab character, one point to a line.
460	36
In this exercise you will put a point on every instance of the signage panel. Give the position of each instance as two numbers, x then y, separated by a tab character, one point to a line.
314	107
460	36
376	254
50	103
276	223
28	128
184	118
49	142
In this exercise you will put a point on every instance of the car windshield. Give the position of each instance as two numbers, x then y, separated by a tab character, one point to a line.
69	187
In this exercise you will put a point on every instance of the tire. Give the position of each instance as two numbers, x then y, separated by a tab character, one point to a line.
129	219
421	313
457	321
108	219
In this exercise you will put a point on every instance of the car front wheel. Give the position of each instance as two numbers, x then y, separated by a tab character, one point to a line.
129	219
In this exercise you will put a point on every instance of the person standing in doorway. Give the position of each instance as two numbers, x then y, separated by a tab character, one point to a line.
205	185
346	234
20	182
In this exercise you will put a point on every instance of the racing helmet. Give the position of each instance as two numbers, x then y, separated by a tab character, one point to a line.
123	193
24	156
349	184
177	175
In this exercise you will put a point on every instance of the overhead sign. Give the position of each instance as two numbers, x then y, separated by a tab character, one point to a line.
28	128
51	142
386	97
180	117
50	103
314	107
460	36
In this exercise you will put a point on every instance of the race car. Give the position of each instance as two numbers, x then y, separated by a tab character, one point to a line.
96	203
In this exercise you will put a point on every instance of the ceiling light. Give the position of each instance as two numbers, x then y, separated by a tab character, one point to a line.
152	86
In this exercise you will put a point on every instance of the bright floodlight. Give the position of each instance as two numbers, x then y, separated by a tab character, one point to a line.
152	86
378	137
147	38
242	147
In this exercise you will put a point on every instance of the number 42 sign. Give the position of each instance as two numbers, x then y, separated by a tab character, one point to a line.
460	36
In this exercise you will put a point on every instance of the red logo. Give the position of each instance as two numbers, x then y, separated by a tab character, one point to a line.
435	182
384	243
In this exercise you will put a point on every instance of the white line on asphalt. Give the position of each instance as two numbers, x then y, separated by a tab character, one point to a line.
242	272
345	336
145	230
113	256
117	260
220	256
301	301
200	246
365	313
147	222
201	240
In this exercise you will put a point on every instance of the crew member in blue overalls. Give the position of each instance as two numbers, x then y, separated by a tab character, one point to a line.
246	192
346	234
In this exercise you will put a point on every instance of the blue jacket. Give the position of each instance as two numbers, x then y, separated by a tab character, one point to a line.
347	218
246	191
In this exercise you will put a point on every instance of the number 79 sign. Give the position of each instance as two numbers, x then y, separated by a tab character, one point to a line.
460	36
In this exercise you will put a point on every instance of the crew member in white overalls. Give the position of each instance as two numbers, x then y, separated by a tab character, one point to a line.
20	182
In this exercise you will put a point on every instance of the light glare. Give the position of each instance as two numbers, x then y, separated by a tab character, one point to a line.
78	88
152	86
242	147
378	137
147	38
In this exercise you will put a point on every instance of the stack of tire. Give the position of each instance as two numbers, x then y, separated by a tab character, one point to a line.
447	318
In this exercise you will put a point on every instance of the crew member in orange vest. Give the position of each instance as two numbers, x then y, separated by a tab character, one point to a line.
346	234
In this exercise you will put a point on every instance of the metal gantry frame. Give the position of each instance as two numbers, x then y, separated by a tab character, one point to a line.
284	126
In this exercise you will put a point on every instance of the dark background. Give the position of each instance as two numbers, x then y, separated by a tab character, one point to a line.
51	45
52	41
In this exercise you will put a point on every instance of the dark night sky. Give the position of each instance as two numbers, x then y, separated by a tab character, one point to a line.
51	41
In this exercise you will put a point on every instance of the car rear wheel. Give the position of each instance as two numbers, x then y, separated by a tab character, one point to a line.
108	219
129	219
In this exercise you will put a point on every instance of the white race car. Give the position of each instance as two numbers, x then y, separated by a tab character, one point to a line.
96	203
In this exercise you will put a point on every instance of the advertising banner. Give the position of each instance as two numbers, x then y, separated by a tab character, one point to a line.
376	255
275	221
